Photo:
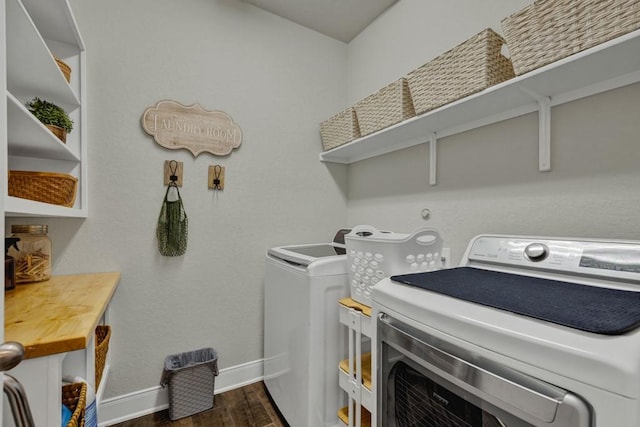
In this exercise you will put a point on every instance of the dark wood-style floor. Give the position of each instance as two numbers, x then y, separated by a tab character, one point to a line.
248	406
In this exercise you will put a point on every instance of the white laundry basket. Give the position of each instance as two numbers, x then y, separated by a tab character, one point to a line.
373	255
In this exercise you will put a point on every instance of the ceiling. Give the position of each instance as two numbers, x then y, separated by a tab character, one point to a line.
340	19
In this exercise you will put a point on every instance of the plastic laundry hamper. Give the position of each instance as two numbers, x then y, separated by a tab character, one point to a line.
190	377
373	255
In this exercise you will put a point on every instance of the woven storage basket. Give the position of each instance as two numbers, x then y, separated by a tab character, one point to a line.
549	30
339	129
66	70
59	132
103	335
47	187
469	67
390	105
74	397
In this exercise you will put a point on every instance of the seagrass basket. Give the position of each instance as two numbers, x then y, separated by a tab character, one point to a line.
470	67
339	129
74	397
390	105
66	70
103	335
47	187
60	133
549	30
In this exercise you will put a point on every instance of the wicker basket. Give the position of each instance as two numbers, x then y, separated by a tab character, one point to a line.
66	70
47	187
61	133
390	105
339	129
74	397
549	30
103	334
469	67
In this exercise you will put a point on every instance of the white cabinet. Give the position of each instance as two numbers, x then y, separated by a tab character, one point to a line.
59	341
42	377
36	31
355	373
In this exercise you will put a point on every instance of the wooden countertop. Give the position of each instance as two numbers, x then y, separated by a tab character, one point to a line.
58	315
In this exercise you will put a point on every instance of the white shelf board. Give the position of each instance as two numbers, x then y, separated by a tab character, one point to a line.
55	20
604	67
31	69
15	206
27	137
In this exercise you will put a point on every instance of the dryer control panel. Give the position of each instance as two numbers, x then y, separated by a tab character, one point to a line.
614	259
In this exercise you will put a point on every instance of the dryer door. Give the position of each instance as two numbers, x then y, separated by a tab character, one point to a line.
425	381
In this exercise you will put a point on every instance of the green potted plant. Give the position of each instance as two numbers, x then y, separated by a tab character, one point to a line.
53	117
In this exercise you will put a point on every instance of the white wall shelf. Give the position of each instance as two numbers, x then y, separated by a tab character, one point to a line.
31	69
28	137
610	65
17	207
36	31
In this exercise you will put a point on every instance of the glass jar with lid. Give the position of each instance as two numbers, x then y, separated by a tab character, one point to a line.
33	257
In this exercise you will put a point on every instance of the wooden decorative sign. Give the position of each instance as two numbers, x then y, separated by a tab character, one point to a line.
193	128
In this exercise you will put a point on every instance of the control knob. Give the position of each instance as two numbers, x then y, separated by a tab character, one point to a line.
536	251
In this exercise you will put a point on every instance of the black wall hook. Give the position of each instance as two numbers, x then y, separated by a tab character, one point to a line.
173	167
173	173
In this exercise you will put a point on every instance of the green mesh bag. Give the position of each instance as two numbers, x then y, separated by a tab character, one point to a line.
172	230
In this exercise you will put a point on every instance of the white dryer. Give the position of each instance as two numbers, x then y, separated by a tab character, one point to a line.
303	339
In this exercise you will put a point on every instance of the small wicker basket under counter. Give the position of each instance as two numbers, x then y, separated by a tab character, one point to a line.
74	397
470	67
549	30
103	335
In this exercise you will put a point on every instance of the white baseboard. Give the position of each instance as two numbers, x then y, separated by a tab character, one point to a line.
143	402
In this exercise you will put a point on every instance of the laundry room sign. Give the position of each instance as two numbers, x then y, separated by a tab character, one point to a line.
193	128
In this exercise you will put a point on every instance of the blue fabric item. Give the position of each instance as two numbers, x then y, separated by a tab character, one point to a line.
66	415
587	308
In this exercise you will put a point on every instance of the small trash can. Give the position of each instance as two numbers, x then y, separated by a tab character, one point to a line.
190	377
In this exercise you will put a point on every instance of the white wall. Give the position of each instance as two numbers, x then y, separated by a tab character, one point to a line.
488	179
278	81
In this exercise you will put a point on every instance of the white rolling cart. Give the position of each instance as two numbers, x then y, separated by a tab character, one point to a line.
373	255
355	372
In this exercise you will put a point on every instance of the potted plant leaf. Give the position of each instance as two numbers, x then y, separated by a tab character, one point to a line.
53	117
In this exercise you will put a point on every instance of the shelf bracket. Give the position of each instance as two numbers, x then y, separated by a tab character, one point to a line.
433	158
544	134
544	129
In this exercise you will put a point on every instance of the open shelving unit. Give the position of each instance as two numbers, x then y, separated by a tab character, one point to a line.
355	372
36	31
610	65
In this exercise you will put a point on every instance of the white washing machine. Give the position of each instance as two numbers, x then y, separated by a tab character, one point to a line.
303	339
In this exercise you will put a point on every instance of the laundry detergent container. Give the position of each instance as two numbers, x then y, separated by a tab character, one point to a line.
373	255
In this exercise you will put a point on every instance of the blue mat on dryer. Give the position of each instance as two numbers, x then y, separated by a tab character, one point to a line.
587	308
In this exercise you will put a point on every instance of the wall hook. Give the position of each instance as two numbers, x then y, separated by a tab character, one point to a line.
173	168
216	177
173	173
